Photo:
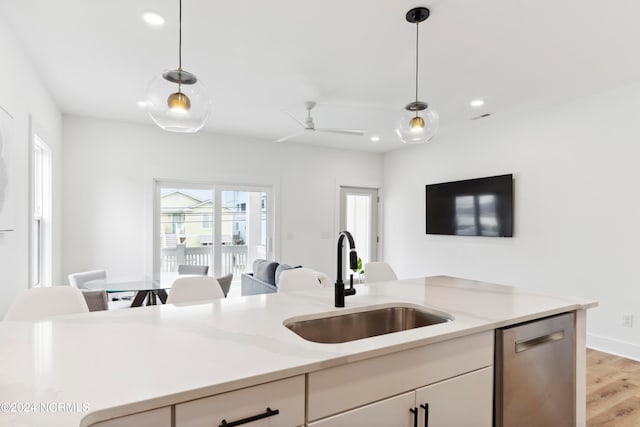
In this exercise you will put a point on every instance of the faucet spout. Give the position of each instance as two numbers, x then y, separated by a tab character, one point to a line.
340	291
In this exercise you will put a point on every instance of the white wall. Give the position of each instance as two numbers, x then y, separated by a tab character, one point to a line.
24	96
108	179
577	207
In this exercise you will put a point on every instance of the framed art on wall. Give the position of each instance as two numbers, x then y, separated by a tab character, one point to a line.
6	196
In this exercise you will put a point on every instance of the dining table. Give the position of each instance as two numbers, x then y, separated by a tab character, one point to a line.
149	289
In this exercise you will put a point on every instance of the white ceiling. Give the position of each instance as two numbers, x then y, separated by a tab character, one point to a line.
354	57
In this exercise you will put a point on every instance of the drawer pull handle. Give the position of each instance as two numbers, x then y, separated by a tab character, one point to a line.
414	411
426	414
534	342
267	413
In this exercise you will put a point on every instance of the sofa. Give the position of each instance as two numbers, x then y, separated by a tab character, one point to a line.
264	279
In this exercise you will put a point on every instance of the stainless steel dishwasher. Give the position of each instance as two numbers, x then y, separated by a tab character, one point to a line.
535	373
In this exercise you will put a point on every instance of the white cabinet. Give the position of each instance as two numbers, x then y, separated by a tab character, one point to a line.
160	417
389	412
279	403
454	378
345	387
462	401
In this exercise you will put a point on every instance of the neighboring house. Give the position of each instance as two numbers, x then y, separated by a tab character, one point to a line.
189	219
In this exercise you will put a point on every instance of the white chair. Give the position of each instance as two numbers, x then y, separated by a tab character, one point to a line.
43	302
79	280
194	288
378	272
324	280
297	279
97	298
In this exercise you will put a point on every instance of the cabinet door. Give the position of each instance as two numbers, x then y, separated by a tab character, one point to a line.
253	406
463	401
394	411
340	388
156	418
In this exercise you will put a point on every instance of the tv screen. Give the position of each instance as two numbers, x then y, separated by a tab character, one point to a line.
473	207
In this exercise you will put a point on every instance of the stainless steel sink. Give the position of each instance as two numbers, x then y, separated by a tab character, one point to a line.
364	324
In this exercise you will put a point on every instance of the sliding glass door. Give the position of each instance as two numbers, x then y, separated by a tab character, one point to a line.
186	226
224	227
244	228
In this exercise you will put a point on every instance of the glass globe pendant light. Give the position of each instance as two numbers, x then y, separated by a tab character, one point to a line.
176	100
419	123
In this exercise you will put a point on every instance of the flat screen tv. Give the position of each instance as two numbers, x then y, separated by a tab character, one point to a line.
473	207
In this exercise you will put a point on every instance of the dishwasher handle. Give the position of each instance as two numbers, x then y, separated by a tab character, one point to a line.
528	344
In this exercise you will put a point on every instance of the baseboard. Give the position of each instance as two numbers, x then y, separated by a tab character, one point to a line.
613	346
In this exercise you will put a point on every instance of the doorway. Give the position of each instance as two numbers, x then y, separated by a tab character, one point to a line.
359	216
225	227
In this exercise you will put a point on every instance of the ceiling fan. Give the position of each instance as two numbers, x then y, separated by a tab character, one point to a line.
308	125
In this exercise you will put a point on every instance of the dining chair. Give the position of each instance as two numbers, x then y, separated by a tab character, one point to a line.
378	272
201	270
43	302
193	289
96	299
225	283
296	279
79	280
325	281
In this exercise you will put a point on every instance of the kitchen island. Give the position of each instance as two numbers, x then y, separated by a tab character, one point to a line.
171	364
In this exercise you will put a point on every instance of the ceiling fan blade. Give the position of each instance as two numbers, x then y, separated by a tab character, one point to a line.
303	124
289	136
345	131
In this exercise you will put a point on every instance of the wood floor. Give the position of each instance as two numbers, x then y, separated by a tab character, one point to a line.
613	391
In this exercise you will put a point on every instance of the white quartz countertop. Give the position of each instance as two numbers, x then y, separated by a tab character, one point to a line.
79	369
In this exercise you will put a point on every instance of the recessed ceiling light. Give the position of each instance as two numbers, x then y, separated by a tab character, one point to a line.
142	104
153	18
477	103
375	138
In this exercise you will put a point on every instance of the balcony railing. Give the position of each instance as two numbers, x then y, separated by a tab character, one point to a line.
234	257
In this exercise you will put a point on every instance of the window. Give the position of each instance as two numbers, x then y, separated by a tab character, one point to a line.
177	224
41	214
223	226
206	221
185	235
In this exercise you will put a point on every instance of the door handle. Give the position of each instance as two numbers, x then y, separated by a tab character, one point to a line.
267	413
426	414
543	339
414	411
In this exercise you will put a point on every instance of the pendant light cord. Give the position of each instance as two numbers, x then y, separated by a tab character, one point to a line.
180	38
180	48
417	40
